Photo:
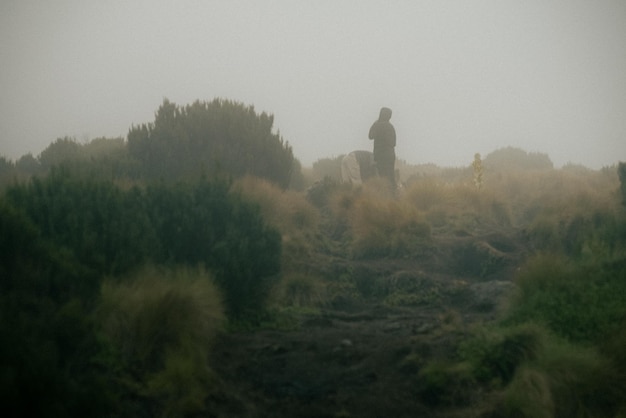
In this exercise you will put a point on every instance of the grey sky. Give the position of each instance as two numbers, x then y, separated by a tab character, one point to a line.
461	76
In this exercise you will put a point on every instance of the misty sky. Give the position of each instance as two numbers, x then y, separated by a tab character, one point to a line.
461	76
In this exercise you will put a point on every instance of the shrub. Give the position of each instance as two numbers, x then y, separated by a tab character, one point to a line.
579	303
514	158
383	227
458	205
445	383
328	167
288	212
161	324
496	354
301	290
564	381
114	231
528	396
108	229
208	137
621	171
320	192
51	361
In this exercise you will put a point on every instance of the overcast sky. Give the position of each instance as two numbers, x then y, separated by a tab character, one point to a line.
461	76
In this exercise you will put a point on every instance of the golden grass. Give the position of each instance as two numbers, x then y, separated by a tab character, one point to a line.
286	210
457	205
380	225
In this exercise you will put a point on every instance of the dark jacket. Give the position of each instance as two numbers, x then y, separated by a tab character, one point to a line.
383	133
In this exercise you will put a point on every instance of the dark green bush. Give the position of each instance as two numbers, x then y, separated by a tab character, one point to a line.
51	362
496	354
205	223
106	228
209	137
581	303
621	172
445	383
113	231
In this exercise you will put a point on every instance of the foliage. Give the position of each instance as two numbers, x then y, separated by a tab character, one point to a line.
112	230
290	213
8	172
495	355
510	158
6	166
621	171
583	229
161	324
60	151
205	223
564	381
554	292
210	137
328	168
51	360
532	373
301	290
445	383
28	165
105	227
457	206
387	228
320	192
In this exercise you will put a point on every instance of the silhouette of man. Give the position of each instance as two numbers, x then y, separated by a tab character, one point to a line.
384	135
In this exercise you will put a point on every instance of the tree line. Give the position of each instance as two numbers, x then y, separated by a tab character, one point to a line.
219	137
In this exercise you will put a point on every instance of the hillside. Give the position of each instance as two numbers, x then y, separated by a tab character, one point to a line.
367	328
496	290
359	357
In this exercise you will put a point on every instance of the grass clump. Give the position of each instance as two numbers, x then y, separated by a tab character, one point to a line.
385	227
496	354
565	380
530	373
301	291
160	324
290	213
457	205
445	383
581	303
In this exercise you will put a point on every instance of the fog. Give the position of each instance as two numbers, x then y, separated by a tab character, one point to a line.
461	76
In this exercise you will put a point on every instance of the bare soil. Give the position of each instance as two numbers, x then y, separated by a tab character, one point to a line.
360	357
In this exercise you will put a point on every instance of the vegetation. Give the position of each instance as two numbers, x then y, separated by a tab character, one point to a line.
123	263
553	352
161	324
210	137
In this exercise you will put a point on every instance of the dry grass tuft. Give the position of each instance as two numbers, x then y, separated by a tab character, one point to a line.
161	323
385	227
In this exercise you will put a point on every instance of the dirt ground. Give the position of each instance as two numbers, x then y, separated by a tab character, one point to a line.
362	358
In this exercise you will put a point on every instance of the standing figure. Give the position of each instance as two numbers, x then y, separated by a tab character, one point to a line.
478	171
384	136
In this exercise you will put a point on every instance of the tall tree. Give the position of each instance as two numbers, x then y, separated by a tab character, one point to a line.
220	136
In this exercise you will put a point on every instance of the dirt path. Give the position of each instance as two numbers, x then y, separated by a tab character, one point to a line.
363	361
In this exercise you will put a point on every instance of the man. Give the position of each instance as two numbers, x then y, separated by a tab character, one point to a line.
384	136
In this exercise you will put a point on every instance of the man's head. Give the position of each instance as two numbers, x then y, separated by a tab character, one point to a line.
385	114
